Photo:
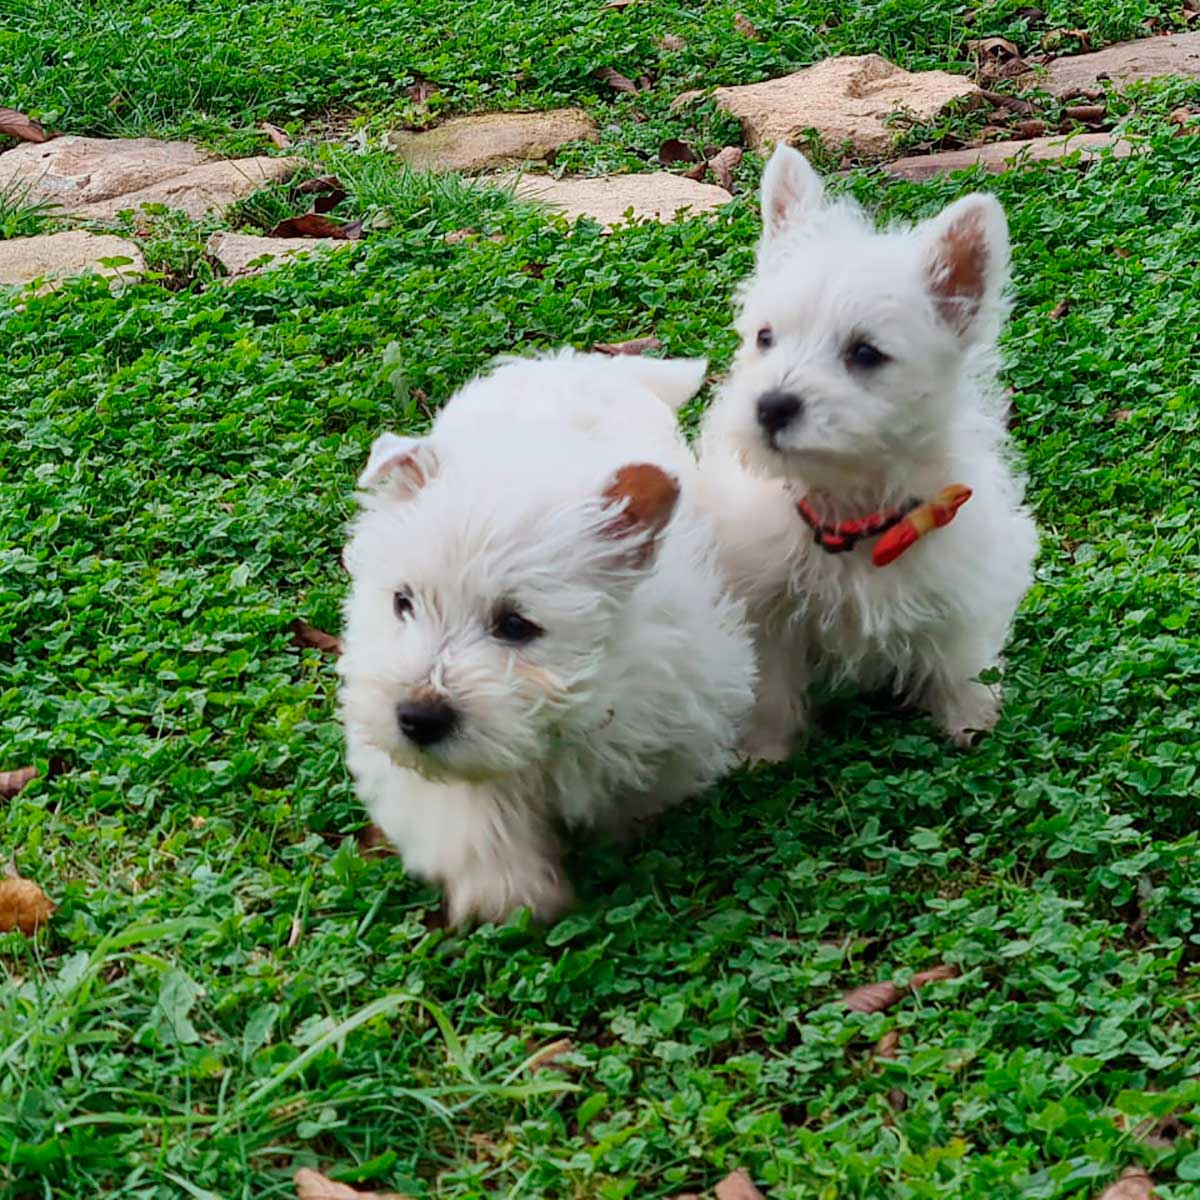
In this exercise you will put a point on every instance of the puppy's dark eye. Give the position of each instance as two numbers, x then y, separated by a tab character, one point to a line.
766	338
402	603
864	355
512	627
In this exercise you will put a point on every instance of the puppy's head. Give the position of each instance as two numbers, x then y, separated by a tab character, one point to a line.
853	340
489	576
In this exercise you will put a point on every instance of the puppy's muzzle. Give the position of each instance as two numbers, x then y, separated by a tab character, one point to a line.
776	411
426	722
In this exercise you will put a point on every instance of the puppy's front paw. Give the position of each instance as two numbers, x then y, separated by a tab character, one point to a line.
495	894
765	746
967	713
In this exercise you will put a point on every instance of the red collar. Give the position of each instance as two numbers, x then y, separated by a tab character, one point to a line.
897	528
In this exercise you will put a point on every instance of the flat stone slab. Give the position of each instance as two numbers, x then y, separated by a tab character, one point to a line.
236	251
492	141
98	177
608	198
1004	156
1127	62
845	100
59	255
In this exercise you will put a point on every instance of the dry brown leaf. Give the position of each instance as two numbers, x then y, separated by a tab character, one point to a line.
1030	129
1060	310
1055	38
897	1100
993	47
1030	14
737	1185
675	151
312	1185
746	27
279	137
873	997
1012	103
314	225
724	164
545	1058
372	842
11	782
618	4
697	172
616	81
1185	121
304	634
671	41
18	125
1134	1184
633	346
1088	114
459	235
888	1046
421	91
322	183
1122	415
933	975
23	905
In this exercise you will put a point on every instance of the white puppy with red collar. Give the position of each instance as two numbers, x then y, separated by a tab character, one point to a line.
857	460
537	632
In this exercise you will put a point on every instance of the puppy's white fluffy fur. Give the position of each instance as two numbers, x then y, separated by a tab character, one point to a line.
931	299
633	695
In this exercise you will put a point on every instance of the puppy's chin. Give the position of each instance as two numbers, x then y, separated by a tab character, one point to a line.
461	760
820	467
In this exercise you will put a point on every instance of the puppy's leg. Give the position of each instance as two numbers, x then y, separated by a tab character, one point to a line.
780	703
491	855
961	706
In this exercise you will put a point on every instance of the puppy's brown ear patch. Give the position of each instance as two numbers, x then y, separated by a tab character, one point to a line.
648	495
958	273
405	464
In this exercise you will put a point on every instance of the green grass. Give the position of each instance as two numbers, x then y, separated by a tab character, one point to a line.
230	990
22	216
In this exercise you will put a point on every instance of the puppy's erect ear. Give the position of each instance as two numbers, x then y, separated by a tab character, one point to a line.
405	464
646	496
673	380
966	263
791	191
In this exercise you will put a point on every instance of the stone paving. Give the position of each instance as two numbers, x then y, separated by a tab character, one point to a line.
849	103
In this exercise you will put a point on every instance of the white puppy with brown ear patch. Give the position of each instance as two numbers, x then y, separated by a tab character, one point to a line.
537	632
861	413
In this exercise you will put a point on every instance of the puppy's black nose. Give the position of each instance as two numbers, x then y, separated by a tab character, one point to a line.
425	722
777	410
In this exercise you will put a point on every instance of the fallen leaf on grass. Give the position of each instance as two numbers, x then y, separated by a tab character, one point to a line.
737	1185
18	125
675	151
421	91
1087	114
671	41
1054	38
1012	103
879	997
697	172
616	81
304	634
372	842
23	905
1060	310
546	1058
746	27
312	1185
1030	129
1134	1184
873	997
327	191
936	974
996	58
888	1046
11	782
1121	416
724	164
279	137
633	346
314	225
1184	120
